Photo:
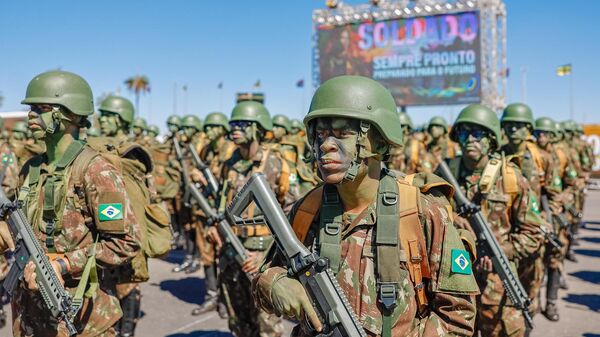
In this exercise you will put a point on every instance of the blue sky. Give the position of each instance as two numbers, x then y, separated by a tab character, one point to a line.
201	43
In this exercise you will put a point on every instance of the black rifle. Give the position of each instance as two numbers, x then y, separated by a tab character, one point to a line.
550	236
27	247
312	271
233	246
212	183
486	241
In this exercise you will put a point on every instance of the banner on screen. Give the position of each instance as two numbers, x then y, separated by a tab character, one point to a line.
430	60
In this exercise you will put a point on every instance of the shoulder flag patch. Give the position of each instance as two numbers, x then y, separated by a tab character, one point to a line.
109	212
461	263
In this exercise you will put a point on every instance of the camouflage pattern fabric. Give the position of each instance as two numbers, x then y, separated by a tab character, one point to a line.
412	157
514	219
118	244
451	309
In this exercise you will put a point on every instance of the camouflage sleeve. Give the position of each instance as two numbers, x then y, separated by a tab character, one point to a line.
452	287
525	237
10	172
118	230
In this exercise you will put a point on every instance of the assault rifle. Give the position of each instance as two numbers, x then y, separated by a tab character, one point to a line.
487	243
549	236
233	246
312	271
211	181
27	247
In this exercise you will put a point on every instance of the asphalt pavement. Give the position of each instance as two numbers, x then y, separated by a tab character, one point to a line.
169	297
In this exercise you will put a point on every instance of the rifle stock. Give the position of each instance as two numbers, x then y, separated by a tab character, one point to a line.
487	242
313	272
28	248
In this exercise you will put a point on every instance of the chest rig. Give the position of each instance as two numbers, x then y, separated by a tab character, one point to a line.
50	191
398	238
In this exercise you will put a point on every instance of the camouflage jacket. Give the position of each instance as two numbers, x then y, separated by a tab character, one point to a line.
412	157
526	161
443	149
216	156
9	170
514	216
82	210
25	149
451	309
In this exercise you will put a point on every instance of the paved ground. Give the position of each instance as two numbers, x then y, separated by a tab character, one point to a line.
169	298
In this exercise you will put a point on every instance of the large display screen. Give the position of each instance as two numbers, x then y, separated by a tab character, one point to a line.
429	60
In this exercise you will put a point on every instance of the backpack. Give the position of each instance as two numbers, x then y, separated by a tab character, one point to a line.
135	165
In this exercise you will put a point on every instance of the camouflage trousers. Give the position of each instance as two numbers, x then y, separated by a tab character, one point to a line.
245	318
555	258
499	321
531	274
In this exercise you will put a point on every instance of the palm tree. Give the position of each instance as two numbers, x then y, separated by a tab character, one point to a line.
138	84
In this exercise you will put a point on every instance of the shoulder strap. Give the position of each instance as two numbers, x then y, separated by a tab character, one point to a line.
509	178
81	163
537	156
306	212
490	174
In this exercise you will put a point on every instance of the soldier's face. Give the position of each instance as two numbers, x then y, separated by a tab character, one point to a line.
278	131
542	138
517	132
109	124
17	135
214	132
173	128
334	143
475	141
189	131
242	132
38	119
137	130
436	131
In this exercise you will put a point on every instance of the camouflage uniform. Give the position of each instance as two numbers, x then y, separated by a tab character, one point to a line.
117	244
514	217
248	320
412	157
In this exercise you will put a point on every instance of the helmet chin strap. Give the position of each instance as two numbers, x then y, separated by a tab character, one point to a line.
361	152
52	125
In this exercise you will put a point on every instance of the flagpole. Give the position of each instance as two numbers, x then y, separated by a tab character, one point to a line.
221	98
571	100
303	111
175	98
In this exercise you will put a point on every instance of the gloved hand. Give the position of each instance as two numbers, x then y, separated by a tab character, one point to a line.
289	298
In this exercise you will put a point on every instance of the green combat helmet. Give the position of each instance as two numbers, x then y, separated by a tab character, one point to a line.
579	128
482	116
296	126
217	119
360	98
61	88
20	126
517	112
153	131
174	120
120	106
405	120
140	123
283	121
253	112
191	121
439	121
545	124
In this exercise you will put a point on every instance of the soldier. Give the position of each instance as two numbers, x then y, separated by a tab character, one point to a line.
138	129
576	182
23	145
352	124
506	200
545	132
249	123
217	150
60	104
169	183
517	123
191	126
153	131
411	156
116	116
297	128
439	145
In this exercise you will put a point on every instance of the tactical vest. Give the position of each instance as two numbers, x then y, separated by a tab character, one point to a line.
398	238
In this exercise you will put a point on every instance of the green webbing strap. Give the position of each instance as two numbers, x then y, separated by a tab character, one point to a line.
50	202
388	250
330	228
89	273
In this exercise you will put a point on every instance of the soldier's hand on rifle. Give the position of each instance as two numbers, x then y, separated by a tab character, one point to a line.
29	275
485	264
290	299
6	241
213	236
252	263
198	177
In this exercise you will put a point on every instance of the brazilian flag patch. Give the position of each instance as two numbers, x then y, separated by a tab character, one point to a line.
535	207
109	212
461	263
6	159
